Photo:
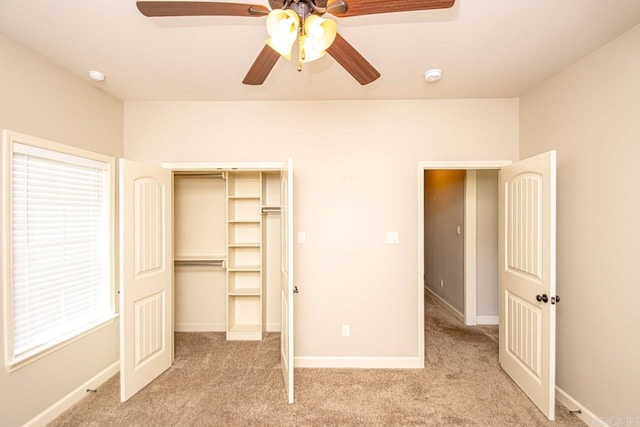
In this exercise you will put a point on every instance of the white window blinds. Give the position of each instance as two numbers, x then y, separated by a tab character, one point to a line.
61	246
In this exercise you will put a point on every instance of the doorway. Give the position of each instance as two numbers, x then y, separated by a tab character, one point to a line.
444	206
527	261
476	256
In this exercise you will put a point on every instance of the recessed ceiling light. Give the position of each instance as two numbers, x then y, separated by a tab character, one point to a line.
433	75
96	75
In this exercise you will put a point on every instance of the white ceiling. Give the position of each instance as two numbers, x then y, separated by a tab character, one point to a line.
486	48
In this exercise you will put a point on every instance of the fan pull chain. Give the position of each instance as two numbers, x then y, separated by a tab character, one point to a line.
301	54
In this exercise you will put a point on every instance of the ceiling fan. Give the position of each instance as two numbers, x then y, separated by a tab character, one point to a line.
289	21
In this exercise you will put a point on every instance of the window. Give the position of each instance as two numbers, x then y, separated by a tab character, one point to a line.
58	243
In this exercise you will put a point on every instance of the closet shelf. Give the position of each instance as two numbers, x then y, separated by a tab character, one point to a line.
244	221
244	268
244	291
256	197
244	245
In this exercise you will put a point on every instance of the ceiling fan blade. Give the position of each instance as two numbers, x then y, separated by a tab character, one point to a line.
352	61
199	8
276	4
368	7
261	67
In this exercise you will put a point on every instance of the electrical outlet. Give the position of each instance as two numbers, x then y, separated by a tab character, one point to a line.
442	283
345	330
393	237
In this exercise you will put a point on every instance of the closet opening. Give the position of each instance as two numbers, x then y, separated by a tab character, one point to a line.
227	252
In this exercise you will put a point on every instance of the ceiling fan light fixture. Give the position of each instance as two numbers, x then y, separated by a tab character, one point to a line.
282	26
283	47
308	52
284	22
321	32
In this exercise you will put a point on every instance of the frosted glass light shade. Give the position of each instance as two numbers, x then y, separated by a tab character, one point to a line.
282	26
321	32
308	52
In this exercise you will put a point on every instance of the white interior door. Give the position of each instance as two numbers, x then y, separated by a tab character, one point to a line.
146	271
287	287
528	277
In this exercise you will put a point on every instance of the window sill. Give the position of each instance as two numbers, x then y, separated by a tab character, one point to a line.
27	358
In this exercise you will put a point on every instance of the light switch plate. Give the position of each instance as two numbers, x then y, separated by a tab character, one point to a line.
302	236
393	237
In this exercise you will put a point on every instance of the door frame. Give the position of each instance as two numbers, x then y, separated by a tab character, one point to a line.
206	167
469	237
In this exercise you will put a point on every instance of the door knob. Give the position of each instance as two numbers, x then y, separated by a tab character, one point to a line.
542	298
555	299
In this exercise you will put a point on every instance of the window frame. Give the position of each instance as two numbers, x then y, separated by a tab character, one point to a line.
8	139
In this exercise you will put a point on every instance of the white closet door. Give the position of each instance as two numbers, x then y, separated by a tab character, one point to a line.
146	271
287	286
528	277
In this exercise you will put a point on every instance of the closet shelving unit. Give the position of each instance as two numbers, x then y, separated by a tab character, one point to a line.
244	255
227	251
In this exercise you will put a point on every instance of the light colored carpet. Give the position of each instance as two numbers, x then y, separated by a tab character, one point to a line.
214	382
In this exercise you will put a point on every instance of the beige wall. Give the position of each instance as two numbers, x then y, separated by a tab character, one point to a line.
487	242
590	113
40	99
356	177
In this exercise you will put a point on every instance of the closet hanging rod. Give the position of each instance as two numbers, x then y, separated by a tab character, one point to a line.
200	262
214	175
270	209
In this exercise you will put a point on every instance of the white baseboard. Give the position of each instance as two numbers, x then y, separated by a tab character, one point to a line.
273	327
585	414
216	327
358	362
444	304
199	327
72	398
487	320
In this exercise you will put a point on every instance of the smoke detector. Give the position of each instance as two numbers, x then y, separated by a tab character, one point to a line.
96	75
433	75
